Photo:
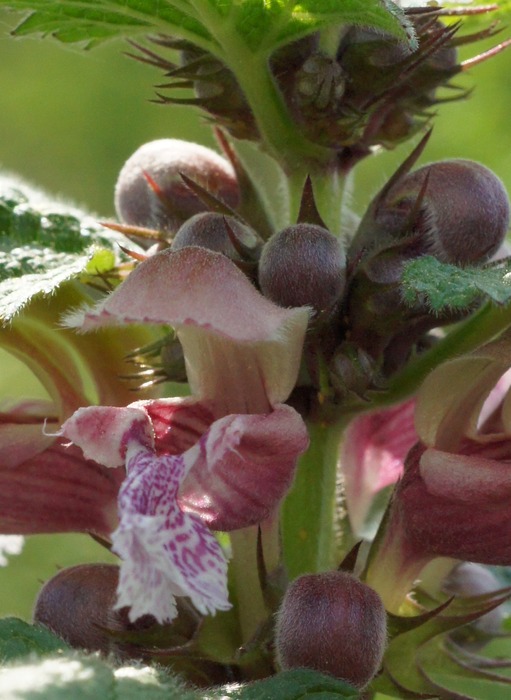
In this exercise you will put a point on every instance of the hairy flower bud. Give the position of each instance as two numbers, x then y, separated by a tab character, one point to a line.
215	232
303	265
150	191
333	623
78	605
464	214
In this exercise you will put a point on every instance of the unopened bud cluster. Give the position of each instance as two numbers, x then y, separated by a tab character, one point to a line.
373	90
456	211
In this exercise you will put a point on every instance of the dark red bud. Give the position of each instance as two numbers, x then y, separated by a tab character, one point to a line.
303	265
150	191
463	216
333	623
215	232
78	605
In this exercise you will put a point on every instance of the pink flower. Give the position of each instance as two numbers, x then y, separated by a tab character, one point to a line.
222	459
45	487
372	458
455	495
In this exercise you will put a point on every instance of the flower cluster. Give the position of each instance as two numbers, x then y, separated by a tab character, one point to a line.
266	352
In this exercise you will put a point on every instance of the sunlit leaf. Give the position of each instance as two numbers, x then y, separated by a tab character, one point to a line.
43	243
262	26
19	639
444	286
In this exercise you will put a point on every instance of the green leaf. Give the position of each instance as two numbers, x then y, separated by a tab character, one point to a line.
90	23
259	24
448	673
19	639
71	674
443	286
82	677
292	685
240	33
43	243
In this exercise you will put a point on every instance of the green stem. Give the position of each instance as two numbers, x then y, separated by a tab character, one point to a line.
284	139
330	195
282	136
309	512
251	607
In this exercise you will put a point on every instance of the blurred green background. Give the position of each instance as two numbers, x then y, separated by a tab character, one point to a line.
69	119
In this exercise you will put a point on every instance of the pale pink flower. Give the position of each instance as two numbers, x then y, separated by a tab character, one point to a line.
455	495
221	459
372	458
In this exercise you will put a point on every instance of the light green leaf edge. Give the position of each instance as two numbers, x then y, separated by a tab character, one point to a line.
263	25
444	286
30	265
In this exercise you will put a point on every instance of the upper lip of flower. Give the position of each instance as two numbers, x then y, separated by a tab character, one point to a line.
216	311
455	399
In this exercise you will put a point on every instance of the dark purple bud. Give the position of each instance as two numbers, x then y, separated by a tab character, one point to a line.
458	209
303	265
332	623
215	232
78	605
150	191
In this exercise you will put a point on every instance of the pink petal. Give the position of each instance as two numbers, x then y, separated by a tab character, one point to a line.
178	423
240	348
21	431
58	491
372	456
104	432
165	552
452	397
465	478
244	467
492	405
463	517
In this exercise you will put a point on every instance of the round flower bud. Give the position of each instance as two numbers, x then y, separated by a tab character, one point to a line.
150	191
303	265
332	623
78	605
463	216
214	231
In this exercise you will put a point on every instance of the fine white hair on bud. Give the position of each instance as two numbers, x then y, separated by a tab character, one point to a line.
78	605
215	232
303	265
332	623
459	209
150	191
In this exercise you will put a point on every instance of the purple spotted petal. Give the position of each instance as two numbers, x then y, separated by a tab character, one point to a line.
165	551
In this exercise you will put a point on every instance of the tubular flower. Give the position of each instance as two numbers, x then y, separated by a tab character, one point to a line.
44	486
372	458
221	459
454	497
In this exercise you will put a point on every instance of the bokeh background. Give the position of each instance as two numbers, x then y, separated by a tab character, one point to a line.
68	121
